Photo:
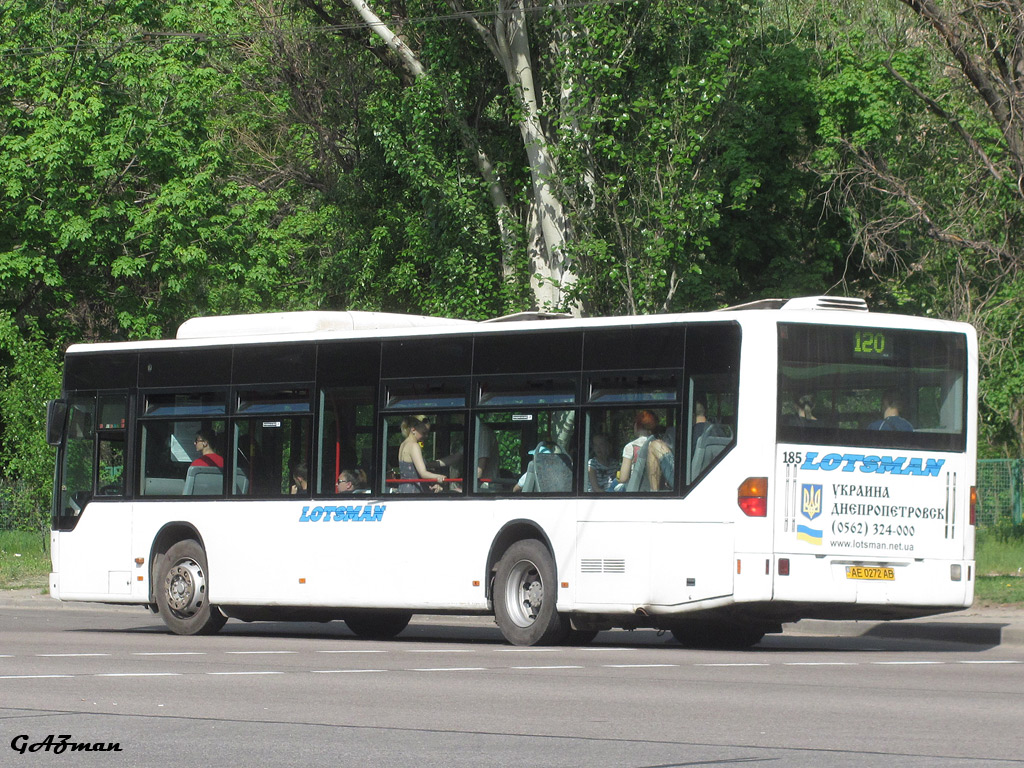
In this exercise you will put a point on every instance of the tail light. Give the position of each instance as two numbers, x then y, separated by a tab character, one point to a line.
753	497
974	505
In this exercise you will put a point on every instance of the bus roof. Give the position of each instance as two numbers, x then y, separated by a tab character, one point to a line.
282	327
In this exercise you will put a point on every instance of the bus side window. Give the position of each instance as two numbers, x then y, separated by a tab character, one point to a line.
441	448
632	444
169	451
712	392
346	437
271	444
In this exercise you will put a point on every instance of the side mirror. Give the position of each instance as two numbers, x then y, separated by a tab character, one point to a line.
56	416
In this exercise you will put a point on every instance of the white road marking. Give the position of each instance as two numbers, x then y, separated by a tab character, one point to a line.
68	655
552	666
351	651
138	674
170	653
258	653
30	677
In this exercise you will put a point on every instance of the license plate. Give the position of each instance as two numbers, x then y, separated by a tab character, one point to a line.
869	573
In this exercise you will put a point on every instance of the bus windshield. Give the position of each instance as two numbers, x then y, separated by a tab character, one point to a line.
872	387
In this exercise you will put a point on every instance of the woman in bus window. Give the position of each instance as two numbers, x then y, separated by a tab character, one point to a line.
411	466
300	479
207	456
351	481
600	466
644	426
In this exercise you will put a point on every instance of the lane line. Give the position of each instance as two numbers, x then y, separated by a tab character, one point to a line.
259	653
449	669
170	653
637	666
31	677
552	666
351	651
244	673
343	671
138	674
68	655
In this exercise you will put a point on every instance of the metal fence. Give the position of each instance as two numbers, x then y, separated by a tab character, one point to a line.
999	490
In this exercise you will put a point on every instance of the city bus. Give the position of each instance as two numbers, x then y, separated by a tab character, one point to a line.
713	475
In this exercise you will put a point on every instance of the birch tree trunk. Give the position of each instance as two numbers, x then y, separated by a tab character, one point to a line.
552	272
495	191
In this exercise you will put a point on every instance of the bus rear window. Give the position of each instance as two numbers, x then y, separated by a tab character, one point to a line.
872	387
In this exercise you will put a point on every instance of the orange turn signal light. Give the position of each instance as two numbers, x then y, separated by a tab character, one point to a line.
753	497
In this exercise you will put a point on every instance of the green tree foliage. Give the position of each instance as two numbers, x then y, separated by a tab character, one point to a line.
161	159
124	207
30	376
922	144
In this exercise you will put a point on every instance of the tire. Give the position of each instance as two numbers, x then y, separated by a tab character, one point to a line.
182	586
525	593
378	625
717	635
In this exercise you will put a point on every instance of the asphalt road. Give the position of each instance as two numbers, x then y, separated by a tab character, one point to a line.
449	692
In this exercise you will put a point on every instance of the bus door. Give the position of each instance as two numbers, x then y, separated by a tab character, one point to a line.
92	523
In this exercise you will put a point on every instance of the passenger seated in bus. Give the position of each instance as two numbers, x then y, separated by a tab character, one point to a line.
661	464
300	479
351	481
700	420
644	426
600	466
550	471
891	420
411	467
804	416
207	456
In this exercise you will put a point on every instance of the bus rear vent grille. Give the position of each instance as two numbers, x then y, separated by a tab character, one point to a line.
597	565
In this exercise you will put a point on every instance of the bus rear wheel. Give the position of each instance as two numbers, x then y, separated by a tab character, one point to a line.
525	594
182	591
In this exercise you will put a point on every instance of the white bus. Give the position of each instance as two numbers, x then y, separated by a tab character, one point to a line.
714	475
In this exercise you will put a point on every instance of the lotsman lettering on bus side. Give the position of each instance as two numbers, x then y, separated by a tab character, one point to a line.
847	462
369	513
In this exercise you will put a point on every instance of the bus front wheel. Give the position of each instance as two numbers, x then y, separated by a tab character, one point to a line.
525	593
182	591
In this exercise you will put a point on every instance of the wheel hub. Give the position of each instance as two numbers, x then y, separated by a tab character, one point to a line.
185	588
526	594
